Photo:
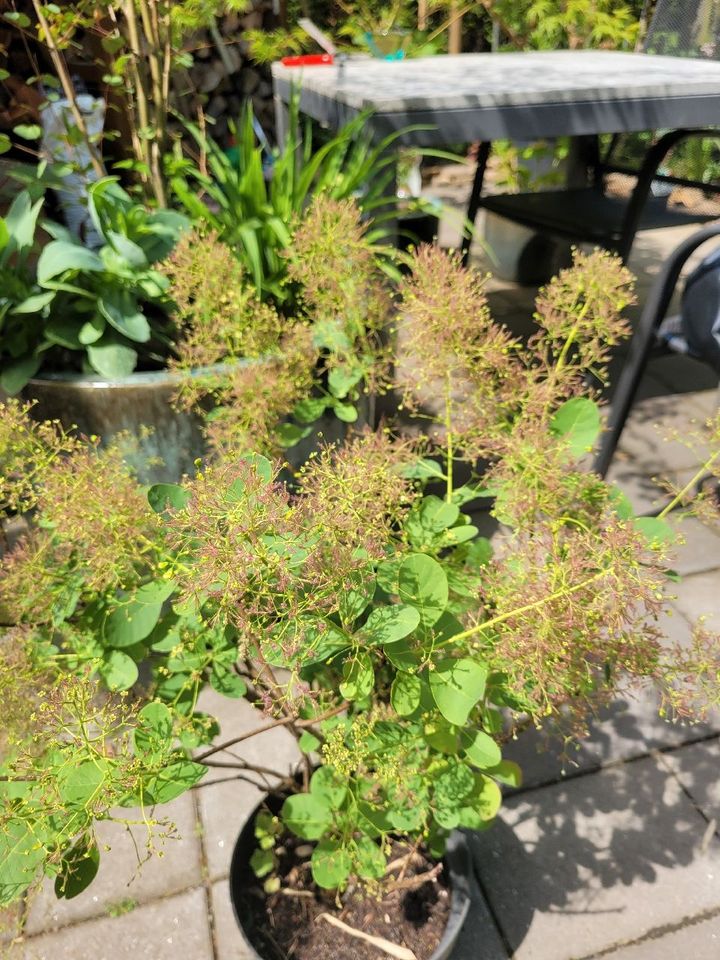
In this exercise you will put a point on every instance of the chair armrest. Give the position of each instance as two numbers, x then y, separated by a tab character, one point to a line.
653	159
662	290
643	339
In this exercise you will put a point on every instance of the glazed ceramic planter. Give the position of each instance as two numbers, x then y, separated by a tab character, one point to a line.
165	442
521	255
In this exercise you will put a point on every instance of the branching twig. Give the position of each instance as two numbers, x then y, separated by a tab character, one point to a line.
409	883
282	722
68	89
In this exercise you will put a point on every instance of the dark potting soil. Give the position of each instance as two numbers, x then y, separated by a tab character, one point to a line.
289	926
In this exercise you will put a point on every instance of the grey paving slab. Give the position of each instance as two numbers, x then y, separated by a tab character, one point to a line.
175	865
9	923
576	868
479	938
229	944
699	940
224	804
638	482
629	729
699	596
697	767
654	427
700	551
173	929
682	374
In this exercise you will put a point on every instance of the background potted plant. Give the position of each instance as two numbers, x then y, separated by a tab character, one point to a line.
79	324
91	317
359	608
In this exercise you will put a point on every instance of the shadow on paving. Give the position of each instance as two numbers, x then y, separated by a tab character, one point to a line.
575	867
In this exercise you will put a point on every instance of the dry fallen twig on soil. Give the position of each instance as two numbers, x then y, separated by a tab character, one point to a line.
392	949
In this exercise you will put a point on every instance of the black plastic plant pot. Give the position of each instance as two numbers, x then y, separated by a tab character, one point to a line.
457	860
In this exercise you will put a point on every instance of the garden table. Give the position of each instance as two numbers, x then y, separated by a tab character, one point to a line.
516	96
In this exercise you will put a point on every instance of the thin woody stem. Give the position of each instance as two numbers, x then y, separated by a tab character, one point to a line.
688	486
449	438
68	89
282	722
526	608
140	142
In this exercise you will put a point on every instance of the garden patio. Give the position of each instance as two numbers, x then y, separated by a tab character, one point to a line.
613	851
326	630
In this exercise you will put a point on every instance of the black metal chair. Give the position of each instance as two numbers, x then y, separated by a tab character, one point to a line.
644	341
590	214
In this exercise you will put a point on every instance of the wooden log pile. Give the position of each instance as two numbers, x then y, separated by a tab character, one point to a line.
225	74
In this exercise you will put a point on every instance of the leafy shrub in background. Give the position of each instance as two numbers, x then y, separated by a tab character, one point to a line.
255	215
361	610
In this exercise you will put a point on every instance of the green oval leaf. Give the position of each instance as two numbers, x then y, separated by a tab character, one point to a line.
20	856
370	861
358	677
326	786
388	624
226	681
154	732
347	412
79	786
118	670
457	685
423	584
172	781
405	693
657	532
162	496
28	131
330	864
483	804
507	772
135	619
481	749
308	816
78	869
577	421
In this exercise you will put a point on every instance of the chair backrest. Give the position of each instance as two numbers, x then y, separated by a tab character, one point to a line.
685	28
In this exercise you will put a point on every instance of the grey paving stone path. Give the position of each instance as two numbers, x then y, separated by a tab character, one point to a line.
612	851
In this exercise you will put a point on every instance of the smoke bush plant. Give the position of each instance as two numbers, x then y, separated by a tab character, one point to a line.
260	378
361	610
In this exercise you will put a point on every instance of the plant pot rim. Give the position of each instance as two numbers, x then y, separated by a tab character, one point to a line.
139	378
458	859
